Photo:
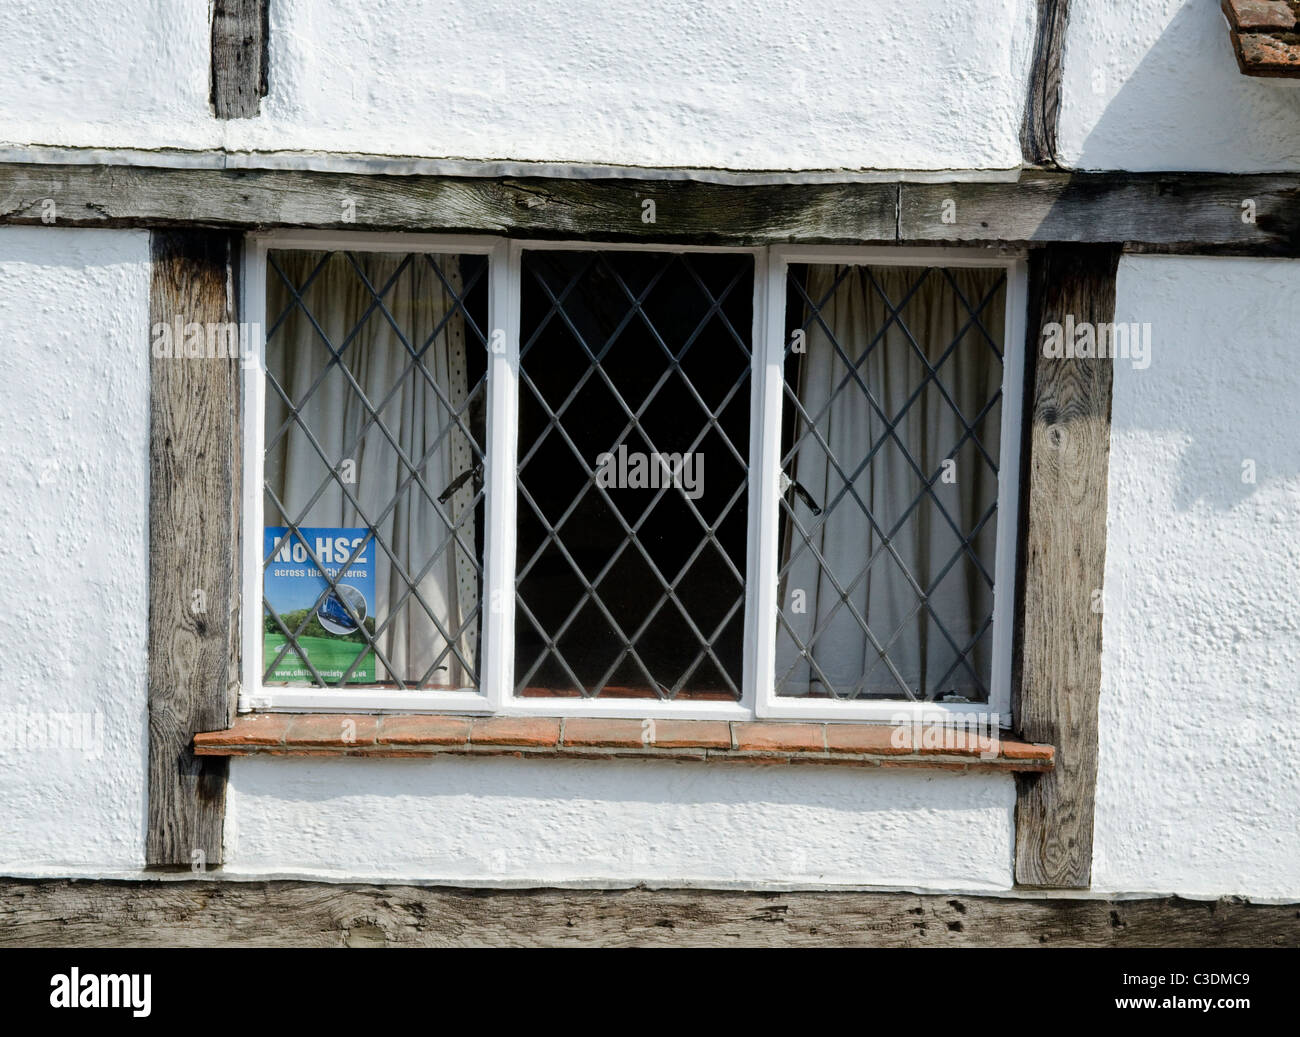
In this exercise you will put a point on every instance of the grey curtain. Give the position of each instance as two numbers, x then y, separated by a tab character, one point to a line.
886	599
414	417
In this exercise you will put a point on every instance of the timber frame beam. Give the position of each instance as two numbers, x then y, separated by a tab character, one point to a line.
63	913
1057	659
1215	213
194	482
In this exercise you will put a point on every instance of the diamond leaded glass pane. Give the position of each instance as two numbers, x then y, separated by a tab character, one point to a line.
633	473
890	454
373	492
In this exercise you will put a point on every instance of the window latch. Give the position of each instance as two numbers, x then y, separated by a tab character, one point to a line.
475	473
788	484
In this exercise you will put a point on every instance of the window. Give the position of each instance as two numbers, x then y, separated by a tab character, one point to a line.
573	478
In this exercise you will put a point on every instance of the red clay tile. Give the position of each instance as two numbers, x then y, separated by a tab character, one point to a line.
871	739
765	737
691	734
254	729
1012	749
332	730
1265	56
423	730
1259	14
598	732
537	732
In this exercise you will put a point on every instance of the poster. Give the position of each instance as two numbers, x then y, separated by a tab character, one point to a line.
332	638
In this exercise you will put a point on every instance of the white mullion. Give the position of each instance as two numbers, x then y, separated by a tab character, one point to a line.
496	675
765	474
1007	536
253	313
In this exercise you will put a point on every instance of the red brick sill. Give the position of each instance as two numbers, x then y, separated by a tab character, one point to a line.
860	745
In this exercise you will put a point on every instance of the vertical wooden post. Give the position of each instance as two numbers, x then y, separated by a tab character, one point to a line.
1064	553
1043	99
194	470
240	44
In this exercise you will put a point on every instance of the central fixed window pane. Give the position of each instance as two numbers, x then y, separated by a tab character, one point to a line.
633	474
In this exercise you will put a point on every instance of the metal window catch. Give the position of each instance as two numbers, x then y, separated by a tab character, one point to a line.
788	484
475	473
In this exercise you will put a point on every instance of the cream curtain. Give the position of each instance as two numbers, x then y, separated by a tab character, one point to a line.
414	416
856	314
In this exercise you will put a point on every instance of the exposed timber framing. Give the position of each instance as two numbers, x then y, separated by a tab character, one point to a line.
62	913
194	478
1074	224
1254	214
1043	98
1063	528
240	49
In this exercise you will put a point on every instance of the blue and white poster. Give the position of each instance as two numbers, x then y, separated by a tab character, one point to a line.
332	636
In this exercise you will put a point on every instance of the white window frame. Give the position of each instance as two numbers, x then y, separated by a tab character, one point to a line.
495	695
770	705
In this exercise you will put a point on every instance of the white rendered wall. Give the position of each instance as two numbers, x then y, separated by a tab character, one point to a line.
125	73
1154	84
521	822
74	466
1199	785
856	84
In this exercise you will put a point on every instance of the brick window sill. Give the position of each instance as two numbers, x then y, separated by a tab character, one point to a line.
853	745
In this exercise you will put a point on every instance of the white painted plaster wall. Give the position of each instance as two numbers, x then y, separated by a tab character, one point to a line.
1154	84
1199	785
521	822
125	73
852	84
74	467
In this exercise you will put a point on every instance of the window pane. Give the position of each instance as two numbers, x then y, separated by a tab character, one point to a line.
890	453
633	471
376	391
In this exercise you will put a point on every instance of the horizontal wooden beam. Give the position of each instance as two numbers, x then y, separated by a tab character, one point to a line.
1253	214
1257	214
63	913
669	210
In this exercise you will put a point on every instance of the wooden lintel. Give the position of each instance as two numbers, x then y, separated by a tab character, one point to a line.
1249	214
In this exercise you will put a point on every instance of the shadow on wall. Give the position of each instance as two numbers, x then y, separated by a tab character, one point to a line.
1221	397
316	781
1183	104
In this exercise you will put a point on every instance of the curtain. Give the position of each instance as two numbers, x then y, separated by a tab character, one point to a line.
414	416
930	429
